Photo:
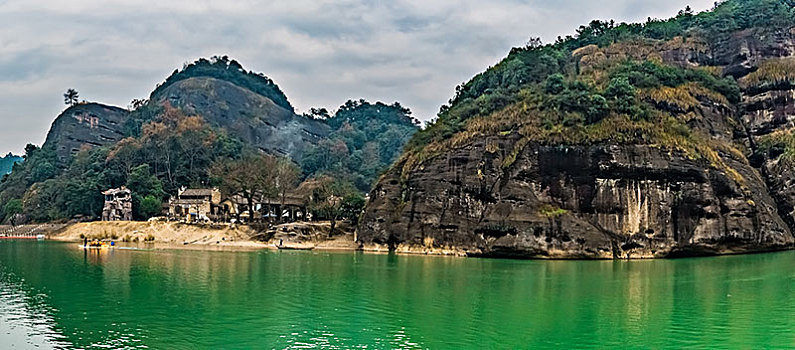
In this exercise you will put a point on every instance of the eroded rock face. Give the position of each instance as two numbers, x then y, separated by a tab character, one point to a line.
741	53
252	117
606	201
767	110
575	202
85	125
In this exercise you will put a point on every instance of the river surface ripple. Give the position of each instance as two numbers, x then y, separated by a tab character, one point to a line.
55	296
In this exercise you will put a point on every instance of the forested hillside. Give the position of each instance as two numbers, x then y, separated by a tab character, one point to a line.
612	51
210	115
365	140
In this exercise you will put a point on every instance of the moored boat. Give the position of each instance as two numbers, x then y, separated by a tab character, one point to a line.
284	247
95	244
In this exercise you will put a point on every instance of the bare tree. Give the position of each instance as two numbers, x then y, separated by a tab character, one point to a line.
252	176
287	176
327	196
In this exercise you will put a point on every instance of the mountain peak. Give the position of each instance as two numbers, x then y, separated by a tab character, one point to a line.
229	70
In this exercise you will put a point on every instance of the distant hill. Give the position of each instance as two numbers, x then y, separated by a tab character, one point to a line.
210	111
7	163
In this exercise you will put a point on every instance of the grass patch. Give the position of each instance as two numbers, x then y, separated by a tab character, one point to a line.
771	74
552	211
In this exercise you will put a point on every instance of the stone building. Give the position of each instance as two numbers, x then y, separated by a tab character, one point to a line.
118	205
195	203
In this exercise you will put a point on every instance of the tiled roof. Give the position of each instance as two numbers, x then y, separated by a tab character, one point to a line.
197	192
182	201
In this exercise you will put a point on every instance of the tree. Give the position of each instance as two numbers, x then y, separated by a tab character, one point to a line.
143	183
252	176
352	207
555	84
534	43
42	171
228	70
71	97
287	176
137	103
317	113
12	208
622	94
150	206
327	197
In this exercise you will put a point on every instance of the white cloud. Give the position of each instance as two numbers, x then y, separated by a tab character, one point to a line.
320	52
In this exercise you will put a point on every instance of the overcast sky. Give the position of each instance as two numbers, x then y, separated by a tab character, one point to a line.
321	53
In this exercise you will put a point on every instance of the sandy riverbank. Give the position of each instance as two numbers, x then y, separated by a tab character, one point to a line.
188	236
169	233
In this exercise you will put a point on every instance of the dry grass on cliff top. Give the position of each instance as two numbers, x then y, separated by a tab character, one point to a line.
686	97
526	119
595	63
773	71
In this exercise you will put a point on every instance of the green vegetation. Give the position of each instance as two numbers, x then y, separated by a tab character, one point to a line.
229	70
608	84
634	106
7	163
13	207
501	85
166	149
172	150
779	144
552	211
366	139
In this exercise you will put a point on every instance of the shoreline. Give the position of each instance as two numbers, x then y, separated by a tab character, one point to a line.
258	246
293	236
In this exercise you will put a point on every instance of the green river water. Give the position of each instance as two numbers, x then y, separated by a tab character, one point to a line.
53	295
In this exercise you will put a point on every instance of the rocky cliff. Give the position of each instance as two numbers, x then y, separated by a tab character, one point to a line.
601	201
85	125
510	184
252	117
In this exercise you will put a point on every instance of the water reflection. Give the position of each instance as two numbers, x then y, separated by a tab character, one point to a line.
195	299
26	320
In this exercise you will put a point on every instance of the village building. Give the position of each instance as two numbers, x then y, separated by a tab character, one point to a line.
118	205
195	204
291	208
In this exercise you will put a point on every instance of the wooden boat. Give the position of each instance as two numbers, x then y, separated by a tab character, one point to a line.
98	245
286	247
87	247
